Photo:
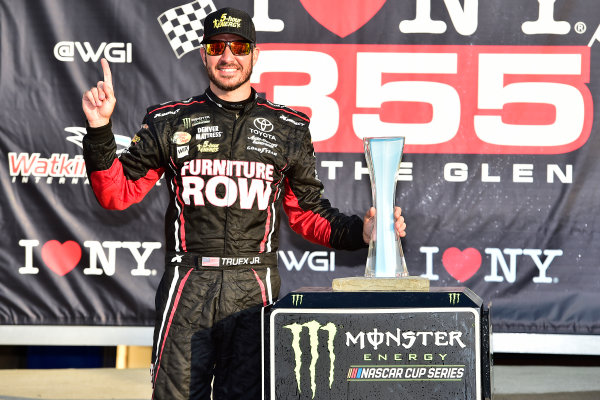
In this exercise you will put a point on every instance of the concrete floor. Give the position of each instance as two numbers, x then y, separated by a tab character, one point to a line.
81	384
510	383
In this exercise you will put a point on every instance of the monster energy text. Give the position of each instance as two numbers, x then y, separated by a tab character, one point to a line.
406	339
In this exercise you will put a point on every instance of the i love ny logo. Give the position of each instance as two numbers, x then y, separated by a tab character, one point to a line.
461	264
340	16
61	258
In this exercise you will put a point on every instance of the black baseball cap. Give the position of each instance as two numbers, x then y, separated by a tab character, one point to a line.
229	20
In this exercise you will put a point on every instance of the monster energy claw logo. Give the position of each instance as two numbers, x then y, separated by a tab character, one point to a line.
454	298
297	299
313	335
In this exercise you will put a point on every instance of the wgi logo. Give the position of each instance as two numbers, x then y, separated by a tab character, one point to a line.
263	124
117	52
313	328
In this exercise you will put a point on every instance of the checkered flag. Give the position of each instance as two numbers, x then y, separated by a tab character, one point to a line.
183	25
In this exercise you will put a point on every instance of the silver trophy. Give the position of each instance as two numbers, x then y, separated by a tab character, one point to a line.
386	268
386	258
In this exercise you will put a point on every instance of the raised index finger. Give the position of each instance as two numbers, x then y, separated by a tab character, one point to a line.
106	71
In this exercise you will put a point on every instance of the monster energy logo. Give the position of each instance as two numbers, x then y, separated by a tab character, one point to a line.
297	299
454	298
313	336
189	122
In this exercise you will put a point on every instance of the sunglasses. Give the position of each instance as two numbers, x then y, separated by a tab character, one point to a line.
238	48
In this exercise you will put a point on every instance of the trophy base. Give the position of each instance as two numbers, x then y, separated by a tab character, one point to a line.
365	284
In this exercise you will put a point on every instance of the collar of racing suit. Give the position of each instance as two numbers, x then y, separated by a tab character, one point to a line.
235	106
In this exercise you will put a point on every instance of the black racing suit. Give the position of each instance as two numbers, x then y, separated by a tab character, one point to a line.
228	169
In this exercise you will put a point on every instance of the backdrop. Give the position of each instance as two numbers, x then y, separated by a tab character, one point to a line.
499	181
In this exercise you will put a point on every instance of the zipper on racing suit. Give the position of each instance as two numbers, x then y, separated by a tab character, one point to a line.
236	116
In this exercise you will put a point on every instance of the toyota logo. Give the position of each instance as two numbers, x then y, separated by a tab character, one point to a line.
263	124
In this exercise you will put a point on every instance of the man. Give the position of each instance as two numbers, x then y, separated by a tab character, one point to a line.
230	159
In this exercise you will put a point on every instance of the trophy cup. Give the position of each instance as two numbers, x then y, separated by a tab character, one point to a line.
386	258
386	266
320	321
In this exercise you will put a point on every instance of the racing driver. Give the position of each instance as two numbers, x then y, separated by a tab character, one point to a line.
231	159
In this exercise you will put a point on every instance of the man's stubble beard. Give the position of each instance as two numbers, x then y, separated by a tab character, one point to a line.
232	86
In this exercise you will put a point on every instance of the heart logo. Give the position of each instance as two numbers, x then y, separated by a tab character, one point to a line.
461	265
61	258
342	17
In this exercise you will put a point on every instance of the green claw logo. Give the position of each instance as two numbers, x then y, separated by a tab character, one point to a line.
454	298
313	335
297	299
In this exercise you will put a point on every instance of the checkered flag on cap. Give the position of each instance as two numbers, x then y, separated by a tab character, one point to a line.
183	25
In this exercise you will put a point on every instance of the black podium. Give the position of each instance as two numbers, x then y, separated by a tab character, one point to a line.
320	344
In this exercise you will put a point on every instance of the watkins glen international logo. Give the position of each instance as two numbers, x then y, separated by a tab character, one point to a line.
57	167
313	328
117	52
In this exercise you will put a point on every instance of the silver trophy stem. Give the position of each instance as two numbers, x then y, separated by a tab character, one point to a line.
386	258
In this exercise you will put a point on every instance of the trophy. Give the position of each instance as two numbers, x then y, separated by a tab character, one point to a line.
386	258
386	266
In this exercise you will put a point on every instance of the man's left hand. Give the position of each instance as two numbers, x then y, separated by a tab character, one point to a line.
369	223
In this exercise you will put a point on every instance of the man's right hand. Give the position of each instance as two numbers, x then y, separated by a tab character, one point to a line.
99	102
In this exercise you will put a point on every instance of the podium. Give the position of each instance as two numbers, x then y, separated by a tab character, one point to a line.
320	344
